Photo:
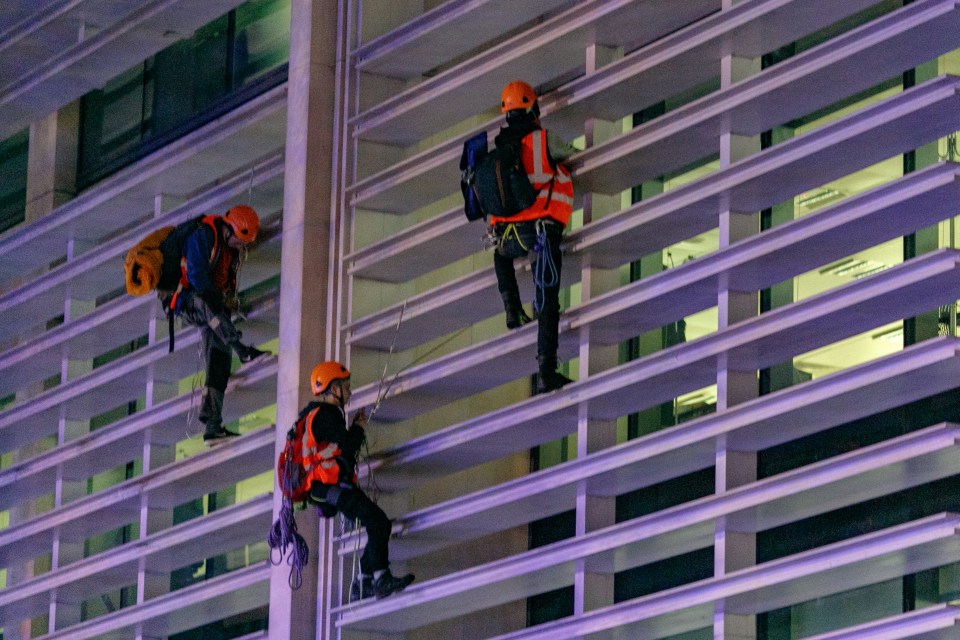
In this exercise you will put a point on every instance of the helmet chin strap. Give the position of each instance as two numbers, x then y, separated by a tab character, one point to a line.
339	396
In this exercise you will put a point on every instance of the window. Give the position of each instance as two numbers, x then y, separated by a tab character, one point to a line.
228	61
13	180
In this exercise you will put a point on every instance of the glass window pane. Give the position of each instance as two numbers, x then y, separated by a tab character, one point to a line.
262	40
13	179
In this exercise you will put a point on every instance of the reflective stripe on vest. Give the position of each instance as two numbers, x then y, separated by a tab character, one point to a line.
320	463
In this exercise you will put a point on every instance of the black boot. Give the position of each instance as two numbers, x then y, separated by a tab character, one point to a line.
248	353
516	316
388	584
548	378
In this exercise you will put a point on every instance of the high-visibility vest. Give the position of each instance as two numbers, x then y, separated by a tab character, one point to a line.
320	458
553	200
221	263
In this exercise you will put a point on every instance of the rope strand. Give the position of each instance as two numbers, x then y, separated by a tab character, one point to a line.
284	534
545	272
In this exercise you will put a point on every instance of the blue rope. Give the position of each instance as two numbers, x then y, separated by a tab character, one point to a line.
545	273
284	534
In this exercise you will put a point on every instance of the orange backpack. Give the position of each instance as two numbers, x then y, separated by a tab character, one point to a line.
292	476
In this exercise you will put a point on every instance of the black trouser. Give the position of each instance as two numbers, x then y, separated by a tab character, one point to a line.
355	505
217	333
516	245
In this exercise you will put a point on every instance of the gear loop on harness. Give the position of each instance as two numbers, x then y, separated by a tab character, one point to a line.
510	228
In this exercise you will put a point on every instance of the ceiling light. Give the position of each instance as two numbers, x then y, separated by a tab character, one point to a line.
893	334
819	197
854	268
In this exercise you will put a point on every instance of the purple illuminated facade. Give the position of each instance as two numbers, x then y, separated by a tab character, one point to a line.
759	314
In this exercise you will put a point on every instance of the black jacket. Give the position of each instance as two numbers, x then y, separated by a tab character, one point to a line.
329	425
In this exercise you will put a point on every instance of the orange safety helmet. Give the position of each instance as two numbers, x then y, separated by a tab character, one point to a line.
517	95
244	221
325	373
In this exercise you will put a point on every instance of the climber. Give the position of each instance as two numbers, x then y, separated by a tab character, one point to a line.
206	298
330	456
537	228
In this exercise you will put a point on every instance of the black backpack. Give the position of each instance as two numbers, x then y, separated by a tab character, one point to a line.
494	183
172	250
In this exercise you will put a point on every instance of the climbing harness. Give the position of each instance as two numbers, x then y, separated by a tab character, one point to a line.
511	228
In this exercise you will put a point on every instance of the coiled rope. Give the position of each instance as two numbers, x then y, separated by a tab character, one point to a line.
283	533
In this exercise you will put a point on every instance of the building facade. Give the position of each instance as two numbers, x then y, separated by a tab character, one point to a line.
759	288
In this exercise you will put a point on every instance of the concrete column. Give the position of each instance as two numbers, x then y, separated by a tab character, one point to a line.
163	202
783	375
52	161
138	633
51	176
734	549
307	294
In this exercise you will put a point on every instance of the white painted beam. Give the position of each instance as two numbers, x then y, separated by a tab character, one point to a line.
62	70
248	135
684	59
937	622
196	540
904	121
542	53
111	385
170	485
858	476
833	568
896	293
97	273
194	606
788	414
443	33
918	200
107	448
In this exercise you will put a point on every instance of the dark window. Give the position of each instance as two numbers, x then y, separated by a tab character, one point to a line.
181	88
13	179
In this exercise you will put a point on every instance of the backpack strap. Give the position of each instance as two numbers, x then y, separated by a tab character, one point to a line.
214	256
553	167
170	328
553	179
